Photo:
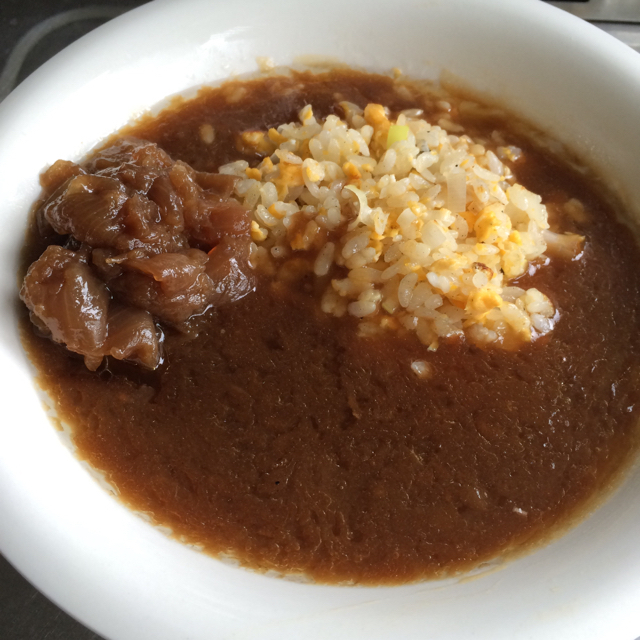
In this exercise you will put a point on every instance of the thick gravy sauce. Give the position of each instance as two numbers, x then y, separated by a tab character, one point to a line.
274	434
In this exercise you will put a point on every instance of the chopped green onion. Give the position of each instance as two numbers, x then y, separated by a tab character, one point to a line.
397	132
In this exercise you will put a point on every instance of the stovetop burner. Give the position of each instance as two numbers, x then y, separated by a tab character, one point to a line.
620	18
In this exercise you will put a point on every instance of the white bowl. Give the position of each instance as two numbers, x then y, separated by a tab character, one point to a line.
124	578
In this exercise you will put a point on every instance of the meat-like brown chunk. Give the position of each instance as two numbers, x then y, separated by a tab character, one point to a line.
69	300
145	225
107	263
173	287
135	197
144	229
132	335
228	267
109	207
58	173
99	211
136	163
170	207
214	219
219	184
177	286
209	213
173	271
72	304
88	208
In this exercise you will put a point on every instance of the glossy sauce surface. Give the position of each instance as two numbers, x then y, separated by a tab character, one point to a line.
279	437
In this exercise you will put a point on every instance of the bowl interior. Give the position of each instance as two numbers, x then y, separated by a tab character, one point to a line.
126	579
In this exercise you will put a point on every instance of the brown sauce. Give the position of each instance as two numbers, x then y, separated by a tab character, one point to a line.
280	438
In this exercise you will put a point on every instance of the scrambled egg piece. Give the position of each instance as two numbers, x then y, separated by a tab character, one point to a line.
492	225
258	234
255	141
482	301
290	176
375	115
413	249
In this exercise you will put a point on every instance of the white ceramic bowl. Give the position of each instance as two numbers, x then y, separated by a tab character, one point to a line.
124	578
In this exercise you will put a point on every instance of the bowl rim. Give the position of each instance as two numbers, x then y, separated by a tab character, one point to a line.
105	559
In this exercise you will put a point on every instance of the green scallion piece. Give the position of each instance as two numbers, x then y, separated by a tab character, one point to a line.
397	132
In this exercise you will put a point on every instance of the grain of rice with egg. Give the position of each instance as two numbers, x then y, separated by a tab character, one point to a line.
429	226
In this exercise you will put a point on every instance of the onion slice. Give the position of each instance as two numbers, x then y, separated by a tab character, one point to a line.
364	210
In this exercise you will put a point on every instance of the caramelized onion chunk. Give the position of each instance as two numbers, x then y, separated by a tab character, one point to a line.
136	163
58	173
132	335
228	268
69	300
88	208
172	286
568	246
159	238
209	212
